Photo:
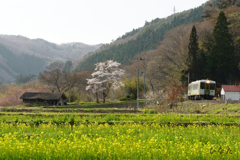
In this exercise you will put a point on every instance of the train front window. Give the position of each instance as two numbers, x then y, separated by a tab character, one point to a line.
207	86
202	85
212	86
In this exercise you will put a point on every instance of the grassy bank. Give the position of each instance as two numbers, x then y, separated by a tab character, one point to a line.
156	118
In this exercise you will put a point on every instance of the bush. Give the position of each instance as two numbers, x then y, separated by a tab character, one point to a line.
148	111
145	111
112	118
27	104
151	111
85	97
122	99
120	92
132	96
72	95
34	104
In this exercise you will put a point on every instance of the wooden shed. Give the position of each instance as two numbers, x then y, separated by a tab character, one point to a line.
47	98
230	92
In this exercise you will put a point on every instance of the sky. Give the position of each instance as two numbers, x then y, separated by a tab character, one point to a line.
87	21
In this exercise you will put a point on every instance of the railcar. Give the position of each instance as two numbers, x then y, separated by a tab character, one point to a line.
201	89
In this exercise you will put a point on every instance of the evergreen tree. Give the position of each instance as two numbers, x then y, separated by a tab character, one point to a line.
68	66
221	59
192	59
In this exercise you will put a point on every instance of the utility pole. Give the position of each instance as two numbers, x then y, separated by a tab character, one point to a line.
188	78
144	83
174	10
137	85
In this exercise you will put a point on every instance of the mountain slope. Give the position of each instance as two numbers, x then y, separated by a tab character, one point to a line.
44	49
21	55
139	40
12	64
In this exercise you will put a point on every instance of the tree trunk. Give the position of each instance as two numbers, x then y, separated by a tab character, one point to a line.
69	98
103	96
97	100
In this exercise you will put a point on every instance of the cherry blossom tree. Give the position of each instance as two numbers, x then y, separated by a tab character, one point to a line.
107	74
12	96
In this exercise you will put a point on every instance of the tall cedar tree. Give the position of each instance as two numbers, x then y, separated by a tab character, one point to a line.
192	59
221	59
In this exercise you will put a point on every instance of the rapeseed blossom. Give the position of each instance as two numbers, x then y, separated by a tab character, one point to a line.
128	141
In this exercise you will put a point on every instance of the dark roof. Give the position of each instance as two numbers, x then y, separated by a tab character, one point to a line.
231	88
44	96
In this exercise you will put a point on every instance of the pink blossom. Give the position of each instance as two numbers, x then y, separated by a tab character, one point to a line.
14	93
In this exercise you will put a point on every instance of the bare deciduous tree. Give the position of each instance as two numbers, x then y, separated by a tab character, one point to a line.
57	79
169	58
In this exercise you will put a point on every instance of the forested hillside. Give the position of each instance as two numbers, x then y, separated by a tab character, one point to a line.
23	56
11	65
148	37
170	54
200	50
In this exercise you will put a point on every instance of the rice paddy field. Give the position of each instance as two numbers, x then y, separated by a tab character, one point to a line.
119	136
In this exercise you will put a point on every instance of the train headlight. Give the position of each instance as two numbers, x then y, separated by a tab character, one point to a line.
207	81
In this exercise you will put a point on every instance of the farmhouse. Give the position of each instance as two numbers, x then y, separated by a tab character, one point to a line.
47	98
230	92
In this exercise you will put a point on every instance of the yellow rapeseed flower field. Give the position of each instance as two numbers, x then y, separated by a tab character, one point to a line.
127	141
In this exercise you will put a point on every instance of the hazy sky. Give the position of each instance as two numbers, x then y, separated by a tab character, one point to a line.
87	21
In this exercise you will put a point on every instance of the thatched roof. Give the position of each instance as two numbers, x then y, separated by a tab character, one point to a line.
43	96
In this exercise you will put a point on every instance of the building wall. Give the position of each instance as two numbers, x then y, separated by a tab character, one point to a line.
232	95
50	102
60	102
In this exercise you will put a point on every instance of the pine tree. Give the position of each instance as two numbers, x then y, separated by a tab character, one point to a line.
221	59
192	59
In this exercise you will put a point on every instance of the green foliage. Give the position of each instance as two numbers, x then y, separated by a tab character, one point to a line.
128	34
151	111
24	79
131	96
72	95
122	99
72	119
131	86
85	97
27	104
38	121
148	38
24	64
216	59
139	141
33	104
145	111
112	117
193	60
68	66
221	60
148	111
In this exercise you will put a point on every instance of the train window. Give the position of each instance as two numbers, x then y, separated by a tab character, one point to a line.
202	85
207	86
212	86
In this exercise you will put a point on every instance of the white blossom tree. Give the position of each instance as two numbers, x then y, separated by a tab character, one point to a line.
107	74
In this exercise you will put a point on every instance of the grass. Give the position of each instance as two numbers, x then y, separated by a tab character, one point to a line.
153	118
206	108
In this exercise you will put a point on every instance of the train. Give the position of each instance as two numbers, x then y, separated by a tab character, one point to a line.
202	89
